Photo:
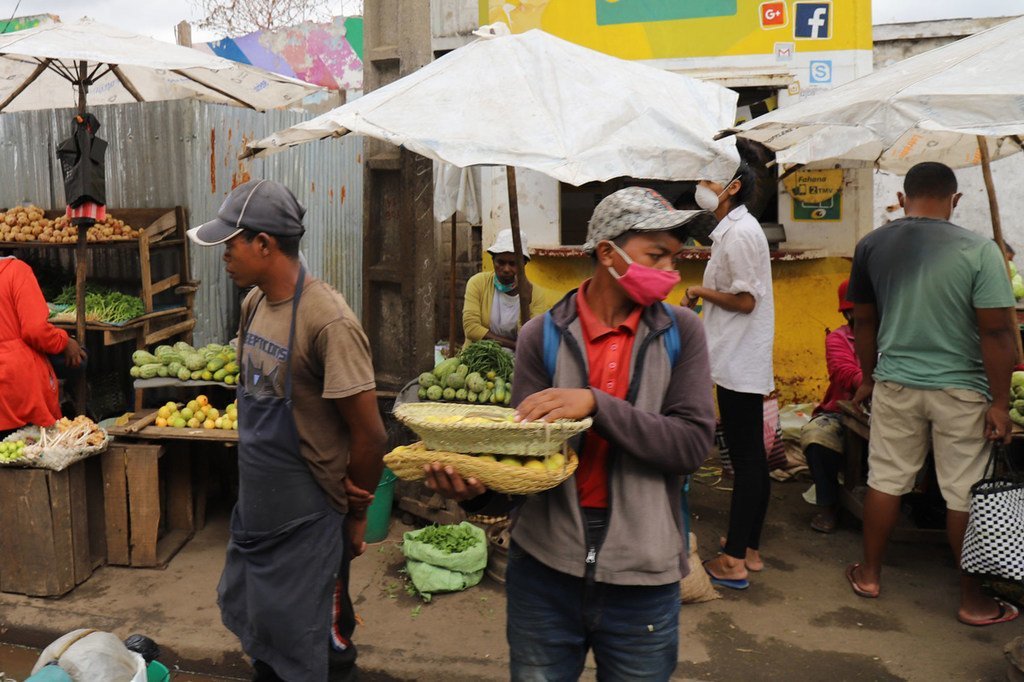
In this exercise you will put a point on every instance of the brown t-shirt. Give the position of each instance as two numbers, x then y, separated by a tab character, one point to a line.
331	359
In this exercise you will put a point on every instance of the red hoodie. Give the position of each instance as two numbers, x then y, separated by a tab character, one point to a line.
28	386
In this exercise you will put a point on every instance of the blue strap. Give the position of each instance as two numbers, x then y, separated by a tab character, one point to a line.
552	340
673	345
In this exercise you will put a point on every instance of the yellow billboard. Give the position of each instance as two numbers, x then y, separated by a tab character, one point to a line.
674	29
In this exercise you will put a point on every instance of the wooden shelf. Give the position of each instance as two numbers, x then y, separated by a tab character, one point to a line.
141	329
226	436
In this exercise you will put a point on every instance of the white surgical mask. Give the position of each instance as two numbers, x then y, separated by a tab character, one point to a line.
706	198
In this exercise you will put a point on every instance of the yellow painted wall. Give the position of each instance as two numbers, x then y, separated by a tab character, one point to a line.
805	305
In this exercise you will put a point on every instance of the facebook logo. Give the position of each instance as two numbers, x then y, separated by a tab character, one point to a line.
813	20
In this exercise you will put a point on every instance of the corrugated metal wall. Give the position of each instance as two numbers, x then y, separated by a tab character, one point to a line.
185	153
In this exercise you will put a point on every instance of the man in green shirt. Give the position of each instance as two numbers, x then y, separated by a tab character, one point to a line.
934	336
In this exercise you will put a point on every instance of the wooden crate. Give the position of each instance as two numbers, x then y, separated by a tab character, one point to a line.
51	535
148	502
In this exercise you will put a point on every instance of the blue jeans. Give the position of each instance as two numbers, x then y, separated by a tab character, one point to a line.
555	618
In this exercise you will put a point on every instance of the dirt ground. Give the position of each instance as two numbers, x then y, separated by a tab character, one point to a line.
798	621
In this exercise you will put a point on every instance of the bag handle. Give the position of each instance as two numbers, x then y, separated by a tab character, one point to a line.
1000	453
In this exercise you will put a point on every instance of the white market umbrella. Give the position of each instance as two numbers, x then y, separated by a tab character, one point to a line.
47	66
961	104
85	62
535	101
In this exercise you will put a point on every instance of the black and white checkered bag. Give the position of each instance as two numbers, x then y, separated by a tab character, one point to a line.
994	542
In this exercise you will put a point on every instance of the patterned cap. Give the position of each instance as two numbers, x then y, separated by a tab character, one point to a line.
636	209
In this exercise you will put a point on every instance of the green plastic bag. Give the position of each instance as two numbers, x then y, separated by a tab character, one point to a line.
431	579
434	570
472	560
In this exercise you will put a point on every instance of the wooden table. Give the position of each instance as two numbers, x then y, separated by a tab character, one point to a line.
153	502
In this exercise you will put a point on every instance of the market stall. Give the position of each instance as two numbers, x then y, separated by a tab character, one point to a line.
114	277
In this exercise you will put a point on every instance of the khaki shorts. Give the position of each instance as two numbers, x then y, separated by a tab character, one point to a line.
905	421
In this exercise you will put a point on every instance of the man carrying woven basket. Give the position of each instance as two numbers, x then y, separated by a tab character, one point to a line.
596	562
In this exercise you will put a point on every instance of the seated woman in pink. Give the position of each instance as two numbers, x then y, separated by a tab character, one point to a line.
822	437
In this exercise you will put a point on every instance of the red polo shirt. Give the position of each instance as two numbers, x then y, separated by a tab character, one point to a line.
609	351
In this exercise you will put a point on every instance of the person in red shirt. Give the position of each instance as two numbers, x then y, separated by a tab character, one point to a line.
595	563
26	339
822	437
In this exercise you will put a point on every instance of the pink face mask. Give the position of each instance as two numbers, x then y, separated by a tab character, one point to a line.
642	283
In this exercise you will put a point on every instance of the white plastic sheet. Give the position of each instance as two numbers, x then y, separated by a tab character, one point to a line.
156	69
94	657
930	107
535	101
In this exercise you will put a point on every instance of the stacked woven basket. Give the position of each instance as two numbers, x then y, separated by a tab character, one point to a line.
485	443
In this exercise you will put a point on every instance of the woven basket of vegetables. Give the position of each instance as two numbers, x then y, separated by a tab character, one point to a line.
471	429
511	475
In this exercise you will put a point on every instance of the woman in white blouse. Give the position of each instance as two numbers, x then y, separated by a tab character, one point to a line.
739	318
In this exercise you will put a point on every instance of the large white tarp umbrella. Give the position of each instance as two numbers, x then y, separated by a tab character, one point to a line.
46	67
960	104
535	101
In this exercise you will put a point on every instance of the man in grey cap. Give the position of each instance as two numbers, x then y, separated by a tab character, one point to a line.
310	445
596	562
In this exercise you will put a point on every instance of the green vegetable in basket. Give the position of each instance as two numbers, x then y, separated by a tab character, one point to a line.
435	392
471	396
422	393
475	382
451	539
455	380
445	368
461	394
487	356
448	393
484	396
427	379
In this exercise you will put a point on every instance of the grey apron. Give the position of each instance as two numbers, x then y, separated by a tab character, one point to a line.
286	540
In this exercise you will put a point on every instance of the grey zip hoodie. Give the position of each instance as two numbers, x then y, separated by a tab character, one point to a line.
661	432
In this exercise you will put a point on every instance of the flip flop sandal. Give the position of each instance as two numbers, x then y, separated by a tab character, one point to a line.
823	524
857	589
721	544
1007	612
732	584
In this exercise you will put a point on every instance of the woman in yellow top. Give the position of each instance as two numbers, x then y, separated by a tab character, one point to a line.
491	310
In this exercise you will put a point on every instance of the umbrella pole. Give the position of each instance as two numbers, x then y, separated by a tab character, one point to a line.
452	294
997	229
517	239
81	266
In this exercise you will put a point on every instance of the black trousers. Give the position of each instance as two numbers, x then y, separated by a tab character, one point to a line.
824	464
743	428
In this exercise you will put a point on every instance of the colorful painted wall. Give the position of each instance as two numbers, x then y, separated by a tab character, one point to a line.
327	54
806	305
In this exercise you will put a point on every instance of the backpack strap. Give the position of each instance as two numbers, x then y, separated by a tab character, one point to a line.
552	340
673	346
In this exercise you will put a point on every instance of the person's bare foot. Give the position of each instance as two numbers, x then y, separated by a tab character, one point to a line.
726	567
752	560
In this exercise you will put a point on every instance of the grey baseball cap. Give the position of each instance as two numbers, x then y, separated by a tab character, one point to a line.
257	205
637	209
